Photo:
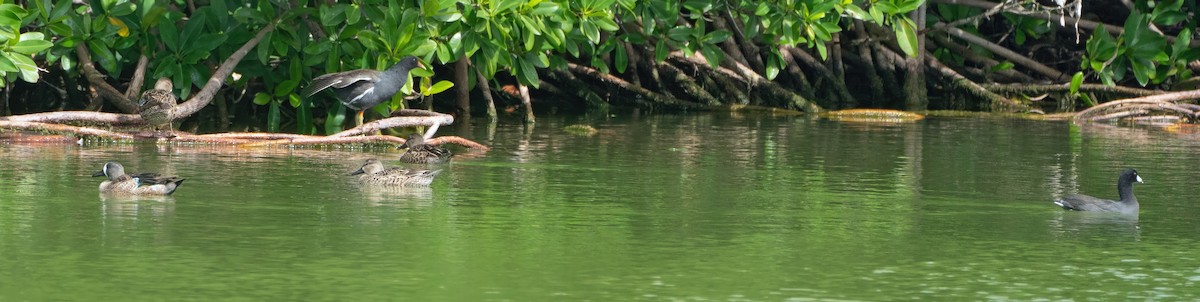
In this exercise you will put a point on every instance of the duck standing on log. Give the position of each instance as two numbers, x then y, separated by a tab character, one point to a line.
362	89
157	104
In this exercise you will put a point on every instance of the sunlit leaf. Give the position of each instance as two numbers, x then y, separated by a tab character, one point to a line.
438	87
29	69
31	43
261	98
906	36
273	120
1076	81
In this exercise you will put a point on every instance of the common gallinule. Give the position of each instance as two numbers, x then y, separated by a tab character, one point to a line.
141	184
373	173
420	153
1127	205
364	88
156	105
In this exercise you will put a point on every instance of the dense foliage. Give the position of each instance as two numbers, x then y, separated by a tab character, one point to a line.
531	43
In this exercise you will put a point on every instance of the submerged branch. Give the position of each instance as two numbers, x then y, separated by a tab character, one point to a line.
408	118
1162	102
1043	88
998	103
85	131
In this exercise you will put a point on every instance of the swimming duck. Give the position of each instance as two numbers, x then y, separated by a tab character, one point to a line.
141	184
1128	203
364	88
373	172
157	104
420	153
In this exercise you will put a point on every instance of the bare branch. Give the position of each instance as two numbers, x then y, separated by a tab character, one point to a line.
215	82
96	79
64	128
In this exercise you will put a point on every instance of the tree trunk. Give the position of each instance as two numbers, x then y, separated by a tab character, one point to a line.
461	70
799	80
486	89
873	81
526	102
916	98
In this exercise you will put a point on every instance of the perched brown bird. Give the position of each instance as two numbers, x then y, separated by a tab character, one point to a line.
420	153
157	105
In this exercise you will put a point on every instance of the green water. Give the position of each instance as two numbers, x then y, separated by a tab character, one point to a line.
704	207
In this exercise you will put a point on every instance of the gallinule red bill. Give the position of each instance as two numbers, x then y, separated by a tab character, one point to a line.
1127	205
364	88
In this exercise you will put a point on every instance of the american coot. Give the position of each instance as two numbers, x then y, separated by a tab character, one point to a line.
364	88
141	184
420	153
372	172
1127	205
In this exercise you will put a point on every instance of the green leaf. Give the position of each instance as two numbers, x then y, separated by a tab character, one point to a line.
261	98
1143	70
264	49
906	36
121	9
661	51
7	65
273	119
304	118
11	15
438	88
334	120
191	30
30	47
545	8
680	34
169	34
621	60
286	87
1143	43
294	100
858	13
1183	42
876	14
1006	65
712	54
773	65
607	23
528	73
1076	81
29	70
591	31
103	54
762	9
716	36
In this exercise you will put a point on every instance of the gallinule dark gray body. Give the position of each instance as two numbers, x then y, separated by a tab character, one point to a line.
364	88
156	105
1127	205
420	153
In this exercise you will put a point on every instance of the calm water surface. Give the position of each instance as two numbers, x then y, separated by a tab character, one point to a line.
703	207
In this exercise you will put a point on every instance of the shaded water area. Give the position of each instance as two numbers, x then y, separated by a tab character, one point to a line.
696	207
